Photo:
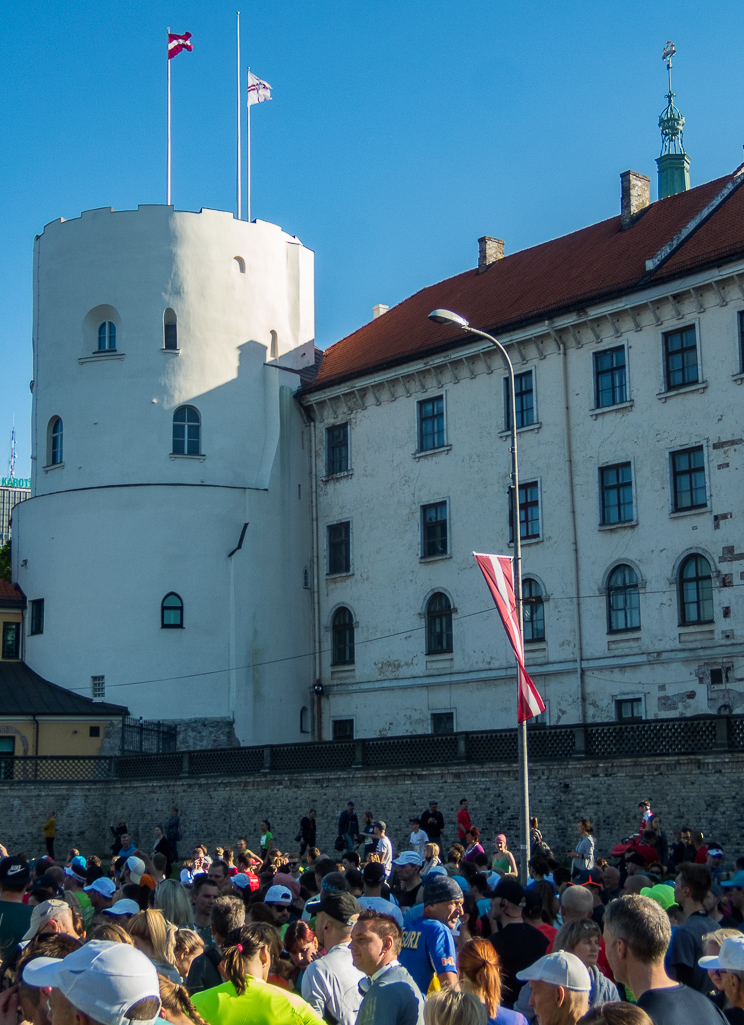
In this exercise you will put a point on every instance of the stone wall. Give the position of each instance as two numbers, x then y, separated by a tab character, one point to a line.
702	792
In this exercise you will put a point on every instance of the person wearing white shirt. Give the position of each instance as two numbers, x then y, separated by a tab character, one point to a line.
384	847
419	839
372	899
330	984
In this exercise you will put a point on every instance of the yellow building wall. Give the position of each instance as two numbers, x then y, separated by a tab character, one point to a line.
57	737
10	616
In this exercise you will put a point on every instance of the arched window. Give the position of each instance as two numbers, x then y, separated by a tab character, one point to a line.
274	347
171	612
107	336
55	453
438	624
623	603
186	432
304	719
533	611
239	264
342	629
170	330
695	591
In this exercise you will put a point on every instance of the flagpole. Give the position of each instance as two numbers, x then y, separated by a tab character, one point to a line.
239	181
248	153
168	159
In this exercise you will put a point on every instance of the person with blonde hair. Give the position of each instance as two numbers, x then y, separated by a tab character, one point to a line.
246	996
188	946
480	974
171	898
431	857
616	1012
157	939
176	1005
448	1007
111	933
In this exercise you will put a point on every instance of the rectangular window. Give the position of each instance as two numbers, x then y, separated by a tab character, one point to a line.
94	731
431	424
339	548
7	750
628	709
680	358
616	493
337	449
37	616
11	640
442	722
688	479
98	686
434	539
741	341
529	511
524	400
610	377
343	729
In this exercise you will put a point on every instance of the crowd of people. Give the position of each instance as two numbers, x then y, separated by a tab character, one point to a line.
375	932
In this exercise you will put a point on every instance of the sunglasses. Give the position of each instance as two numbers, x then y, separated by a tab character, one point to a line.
293	864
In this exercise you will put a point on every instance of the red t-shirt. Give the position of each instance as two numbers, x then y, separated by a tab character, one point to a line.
463	823
702	856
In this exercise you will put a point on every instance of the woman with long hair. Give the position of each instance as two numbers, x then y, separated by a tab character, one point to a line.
449	1007
245	996
171	898
431	858
301	944
582	859
177	1007
188	946
157	939
480	974
472	844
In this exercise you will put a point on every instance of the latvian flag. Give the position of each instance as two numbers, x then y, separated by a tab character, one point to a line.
178	43
499	574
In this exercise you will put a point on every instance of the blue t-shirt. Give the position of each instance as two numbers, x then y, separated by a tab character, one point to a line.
428	950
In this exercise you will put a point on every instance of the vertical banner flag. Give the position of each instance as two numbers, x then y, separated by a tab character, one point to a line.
178	43
499	574
258	91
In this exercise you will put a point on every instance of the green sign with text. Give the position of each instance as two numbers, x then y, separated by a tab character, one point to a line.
16	482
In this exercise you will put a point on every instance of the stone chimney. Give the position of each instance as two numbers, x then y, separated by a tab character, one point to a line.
636	196
378	310
489	251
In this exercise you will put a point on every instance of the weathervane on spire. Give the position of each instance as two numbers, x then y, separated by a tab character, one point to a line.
671	121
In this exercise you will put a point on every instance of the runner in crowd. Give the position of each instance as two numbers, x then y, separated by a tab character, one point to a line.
361	937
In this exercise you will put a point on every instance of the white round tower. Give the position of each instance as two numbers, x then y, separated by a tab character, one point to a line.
166	346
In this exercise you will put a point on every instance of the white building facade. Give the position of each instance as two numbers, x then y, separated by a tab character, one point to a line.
165	548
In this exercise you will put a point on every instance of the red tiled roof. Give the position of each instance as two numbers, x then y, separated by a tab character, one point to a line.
594	263
11	596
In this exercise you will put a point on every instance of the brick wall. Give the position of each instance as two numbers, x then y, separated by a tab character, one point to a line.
701	792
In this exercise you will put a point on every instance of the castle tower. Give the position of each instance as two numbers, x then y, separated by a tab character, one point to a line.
164	545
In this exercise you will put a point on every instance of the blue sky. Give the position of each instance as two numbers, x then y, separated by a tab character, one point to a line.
399	132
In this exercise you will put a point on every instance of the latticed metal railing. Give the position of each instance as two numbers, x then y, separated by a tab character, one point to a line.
649	739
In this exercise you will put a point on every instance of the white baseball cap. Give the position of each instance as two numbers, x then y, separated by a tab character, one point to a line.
407	858
730	956
123	907
136	868
559	969
43	913
278	895
103	980
106	887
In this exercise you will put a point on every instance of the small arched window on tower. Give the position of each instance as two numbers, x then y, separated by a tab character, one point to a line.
170	330
274	349
186	432
171	612
342	653
106	336
438	624
239	264
55	453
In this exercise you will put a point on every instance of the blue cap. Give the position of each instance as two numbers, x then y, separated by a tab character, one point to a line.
737	880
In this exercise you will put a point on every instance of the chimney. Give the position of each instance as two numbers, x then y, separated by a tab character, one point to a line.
636	196
489	251
378	310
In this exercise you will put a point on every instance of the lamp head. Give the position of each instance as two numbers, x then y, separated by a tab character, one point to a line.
448	317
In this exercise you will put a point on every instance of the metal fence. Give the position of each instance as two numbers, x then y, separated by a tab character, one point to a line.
148	736
702	735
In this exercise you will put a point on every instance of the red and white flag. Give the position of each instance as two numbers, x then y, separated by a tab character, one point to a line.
258	91
178	43
499	573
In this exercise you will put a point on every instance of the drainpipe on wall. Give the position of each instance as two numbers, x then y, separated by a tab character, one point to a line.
36	743
574	539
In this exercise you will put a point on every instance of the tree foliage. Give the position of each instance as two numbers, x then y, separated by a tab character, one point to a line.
5	561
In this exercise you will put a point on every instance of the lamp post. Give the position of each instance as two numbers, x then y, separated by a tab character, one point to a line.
455	320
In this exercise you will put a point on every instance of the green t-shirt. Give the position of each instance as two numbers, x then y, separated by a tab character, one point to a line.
14	922
261	1004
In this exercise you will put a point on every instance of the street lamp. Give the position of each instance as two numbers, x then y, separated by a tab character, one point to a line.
455	320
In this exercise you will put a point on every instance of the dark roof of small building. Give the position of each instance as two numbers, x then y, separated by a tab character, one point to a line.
11	596
24	692
594	264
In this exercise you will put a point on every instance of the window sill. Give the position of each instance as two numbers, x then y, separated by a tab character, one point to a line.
435	558
506	433
618	526
171	626
337	476
621	406
527	541
444	661
534	650
622	640
178	455
96	357
684	390
418	454
171	352
739	378
694	634
342	672
339	576
695	511
53	466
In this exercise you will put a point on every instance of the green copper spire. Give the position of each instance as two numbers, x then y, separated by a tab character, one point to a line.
674	163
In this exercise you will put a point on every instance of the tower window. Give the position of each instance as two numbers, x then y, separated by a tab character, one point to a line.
438	624
171	612
98	686
343	637
55	434
170	330
107	336
186	432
